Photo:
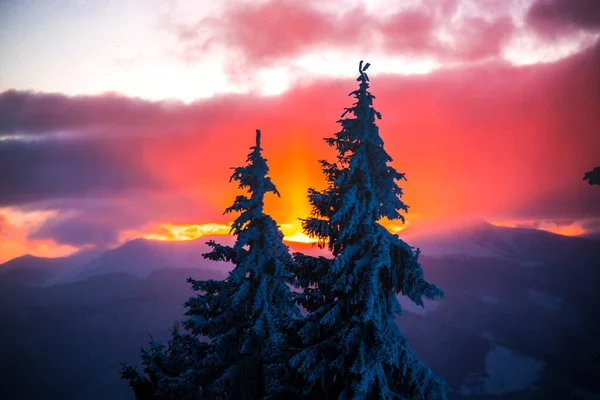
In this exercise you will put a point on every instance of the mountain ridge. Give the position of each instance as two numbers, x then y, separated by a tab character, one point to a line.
139	257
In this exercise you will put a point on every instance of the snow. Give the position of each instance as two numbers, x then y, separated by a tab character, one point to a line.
409	306
510	371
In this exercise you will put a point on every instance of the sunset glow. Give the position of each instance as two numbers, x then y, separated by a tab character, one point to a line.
293	233
181	232
566	229
122	120
17	235
136	134
394	227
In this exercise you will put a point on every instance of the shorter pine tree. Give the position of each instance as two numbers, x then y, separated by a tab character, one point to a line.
245	316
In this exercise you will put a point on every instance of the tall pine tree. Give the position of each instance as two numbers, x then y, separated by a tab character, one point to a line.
246	315
351	345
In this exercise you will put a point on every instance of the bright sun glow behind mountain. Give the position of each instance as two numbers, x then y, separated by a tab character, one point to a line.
292	232
182	232
568	228
179	232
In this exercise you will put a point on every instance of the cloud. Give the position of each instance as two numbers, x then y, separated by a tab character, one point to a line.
484	140
79	230
3	225
15	225
30	113
249	28
567	200
591	225
102	221
264	34
37	170
567	227
556	17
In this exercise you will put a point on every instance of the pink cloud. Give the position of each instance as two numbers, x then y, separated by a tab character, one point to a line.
266	33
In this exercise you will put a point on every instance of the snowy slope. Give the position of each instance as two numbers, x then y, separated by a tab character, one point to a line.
528	247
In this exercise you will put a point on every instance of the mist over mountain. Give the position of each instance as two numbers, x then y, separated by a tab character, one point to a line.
40	271
140	257
520	319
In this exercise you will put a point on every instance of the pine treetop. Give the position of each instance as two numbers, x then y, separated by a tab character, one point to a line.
362	186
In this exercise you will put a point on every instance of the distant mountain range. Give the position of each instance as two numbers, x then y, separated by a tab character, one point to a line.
39	271
520	319
139	258
481	239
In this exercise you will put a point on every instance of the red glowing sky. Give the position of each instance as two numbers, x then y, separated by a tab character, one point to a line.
493	115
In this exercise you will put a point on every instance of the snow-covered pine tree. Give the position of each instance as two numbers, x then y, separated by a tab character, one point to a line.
246	315
171	372
352	347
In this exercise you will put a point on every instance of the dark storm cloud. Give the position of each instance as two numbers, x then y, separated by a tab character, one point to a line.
53	168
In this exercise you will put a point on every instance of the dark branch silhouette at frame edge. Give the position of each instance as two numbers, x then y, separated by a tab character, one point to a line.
593	176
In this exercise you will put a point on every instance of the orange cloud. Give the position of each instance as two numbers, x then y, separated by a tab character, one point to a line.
15	226
565	228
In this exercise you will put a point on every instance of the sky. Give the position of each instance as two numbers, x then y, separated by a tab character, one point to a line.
122	119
